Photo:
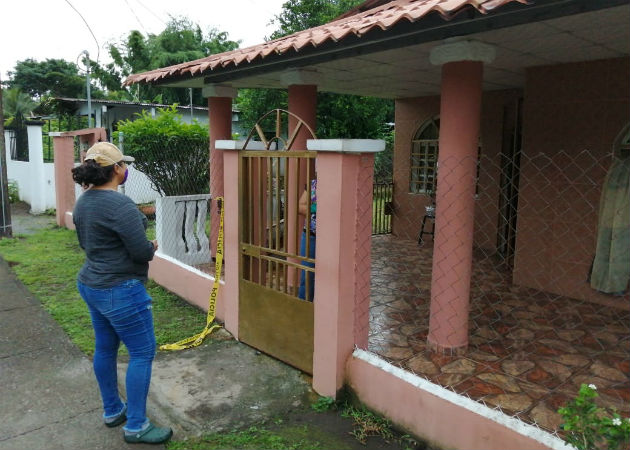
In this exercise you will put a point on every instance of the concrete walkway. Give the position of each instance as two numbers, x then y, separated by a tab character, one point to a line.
49	398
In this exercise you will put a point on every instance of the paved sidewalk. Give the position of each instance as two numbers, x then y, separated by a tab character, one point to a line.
49	397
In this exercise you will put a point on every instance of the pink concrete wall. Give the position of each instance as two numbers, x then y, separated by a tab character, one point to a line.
568	109
422	413
191	285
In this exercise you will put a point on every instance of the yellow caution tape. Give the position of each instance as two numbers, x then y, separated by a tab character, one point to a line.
197	339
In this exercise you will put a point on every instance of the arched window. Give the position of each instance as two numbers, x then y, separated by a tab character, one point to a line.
424	156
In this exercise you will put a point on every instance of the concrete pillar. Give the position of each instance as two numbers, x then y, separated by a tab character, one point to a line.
343	255
460	111
39	184
64	184
220	123
302	87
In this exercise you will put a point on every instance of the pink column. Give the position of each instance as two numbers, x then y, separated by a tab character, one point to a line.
302	103
220	127
343	256
64	184
231	238
460	111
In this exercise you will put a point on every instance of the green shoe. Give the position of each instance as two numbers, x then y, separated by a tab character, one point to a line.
150	435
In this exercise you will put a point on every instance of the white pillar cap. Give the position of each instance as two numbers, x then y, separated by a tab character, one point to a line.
346	145
300	76
455	49
226	144
218	90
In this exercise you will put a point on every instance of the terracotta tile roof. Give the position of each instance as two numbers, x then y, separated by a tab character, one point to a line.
370	15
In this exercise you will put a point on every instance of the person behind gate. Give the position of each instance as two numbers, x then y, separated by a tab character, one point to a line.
111	230
307	243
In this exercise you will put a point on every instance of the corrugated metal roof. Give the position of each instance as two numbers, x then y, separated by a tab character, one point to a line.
372	14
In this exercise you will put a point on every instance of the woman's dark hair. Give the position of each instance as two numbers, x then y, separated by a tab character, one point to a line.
90	172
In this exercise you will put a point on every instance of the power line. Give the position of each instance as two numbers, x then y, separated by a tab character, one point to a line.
98	47
152	13
136	16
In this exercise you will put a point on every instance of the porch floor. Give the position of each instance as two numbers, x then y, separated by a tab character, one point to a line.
528	352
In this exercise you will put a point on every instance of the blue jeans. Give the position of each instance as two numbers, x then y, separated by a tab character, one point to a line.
122	313
303	275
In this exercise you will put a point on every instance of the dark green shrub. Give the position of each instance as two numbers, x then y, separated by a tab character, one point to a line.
171	153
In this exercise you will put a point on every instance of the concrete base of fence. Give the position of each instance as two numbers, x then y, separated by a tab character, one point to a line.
419	406
189	283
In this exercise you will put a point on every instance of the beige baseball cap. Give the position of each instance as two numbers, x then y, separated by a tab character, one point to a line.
106	154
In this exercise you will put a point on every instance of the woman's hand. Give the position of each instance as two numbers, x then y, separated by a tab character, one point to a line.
303	203
155	245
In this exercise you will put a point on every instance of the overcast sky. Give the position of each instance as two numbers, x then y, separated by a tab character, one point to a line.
43	29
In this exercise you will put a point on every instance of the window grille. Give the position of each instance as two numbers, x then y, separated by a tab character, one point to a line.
424	157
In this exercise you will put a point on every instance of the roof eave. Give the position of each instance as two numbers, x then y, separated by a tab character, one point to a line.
465	22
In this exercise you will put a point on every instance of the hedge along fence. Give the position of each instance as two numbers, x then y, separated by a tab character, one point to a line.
172	154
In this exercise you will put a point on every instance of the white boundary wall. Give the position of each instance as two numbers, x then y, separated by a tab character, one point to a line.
36	179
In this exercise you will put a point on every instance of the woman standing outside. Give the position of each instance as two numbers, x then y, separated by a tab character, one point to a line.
111	230
306	288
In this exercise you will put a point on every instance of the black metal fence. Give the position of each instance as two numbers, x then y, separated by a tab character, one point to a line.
382	194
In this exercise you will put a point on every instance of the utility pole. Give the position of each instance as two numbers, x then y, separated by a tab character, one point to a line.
6	230
87	87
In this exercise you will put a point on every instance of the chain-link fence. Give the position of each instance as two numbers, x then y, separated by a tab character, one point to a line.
169	182
547	272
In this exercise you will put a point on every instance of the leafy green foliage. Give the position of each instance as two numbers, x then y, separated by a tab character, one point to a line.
17	103
384	161
182	40
48	262
589	426
171	153
324	404
298	15
14	192
52	77
255	437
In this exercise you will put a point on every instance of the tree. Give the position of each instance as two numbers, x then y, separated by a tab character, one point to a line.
17	103
171	153
52	77
298	15
338	116
182	40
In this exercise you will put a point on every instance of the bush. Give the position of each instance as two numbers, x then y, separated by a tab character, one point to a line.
14	192
589	426
171	153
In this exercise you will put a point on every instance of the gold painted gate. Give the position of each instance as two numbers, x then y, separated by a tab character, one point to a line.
271	316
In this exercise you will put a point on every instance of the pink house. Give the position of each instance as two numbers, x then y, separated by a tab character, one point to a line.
514	115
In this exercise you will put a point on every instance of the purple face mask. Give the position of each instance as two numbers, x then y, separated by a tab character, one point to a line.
126	175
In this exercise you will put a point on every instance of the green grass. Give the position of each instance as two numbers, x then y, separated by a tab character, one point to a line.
48	262
260	437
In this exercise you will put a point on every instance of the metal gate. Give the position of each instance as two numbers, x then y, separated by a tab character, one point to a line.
271	316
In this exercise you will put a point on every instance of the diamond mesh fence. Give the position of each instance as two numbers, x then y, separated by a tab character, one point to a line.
529	266
169	181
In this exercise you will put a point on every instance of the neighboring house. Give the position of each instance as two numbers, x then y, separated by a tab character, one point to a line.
515	115
107	113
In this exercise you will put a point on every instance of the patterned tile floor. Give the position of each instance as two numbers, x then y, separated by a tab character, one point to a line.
529	351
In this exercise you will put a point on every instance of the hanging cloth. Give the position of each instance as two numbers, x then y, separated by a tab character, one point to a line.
611	266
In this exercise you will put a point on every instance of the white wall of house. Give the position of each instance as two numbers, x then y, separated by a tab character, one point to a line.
36	179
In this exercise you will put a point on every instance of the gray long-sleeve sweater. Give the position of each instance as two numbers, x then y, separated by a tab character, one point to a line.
111	230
